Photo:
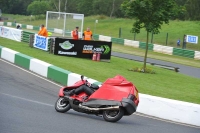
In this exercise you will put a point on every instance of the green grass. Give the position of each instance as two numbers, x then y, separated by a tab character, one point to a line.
165	83
110	27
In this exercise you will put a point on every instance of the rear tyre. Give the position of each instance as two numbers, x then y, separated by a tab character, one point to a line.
62	105
113	115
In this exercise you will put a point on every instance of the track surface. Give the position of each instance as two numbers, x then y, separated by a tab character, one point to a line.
27	106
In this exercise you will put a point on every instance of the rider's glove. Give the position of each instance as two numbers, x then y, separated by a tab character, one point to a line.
88	84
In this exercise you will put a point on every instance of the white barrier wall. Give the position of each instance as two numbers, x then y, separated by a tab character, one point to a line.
91	80
168	109
29	27
131	43
105	38
73	78
59	31
1	23
167	50
9	23
39	67
8	54
19	24
157	48
162	49
197	55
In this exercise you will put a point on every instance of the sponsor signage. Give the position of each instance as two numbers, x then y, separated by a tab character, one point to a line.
192	39
41	42
10	33
77	16
82	48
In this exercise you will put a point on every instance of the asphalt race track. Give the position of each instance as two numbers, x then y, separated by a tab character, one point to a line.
27	106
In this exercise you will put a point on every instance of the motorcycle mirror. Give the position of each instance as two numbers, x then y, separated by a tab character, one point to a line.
82	77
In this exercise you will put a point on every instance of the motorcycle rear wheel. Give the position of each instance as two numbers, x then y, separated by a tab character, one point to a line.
62	105
113	115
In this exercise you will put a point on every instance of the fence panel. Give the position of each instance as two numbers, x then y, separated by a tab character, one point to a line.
26	36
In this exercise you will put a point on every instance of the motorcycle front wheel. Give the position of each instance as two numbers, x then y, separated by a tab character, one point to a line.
62	105
113	115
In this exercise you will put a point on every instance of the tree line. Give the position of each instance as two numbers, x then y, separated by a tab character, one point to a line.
184	9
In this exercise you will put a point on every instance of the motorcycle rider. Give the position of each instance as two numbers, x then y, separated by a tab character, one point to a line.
82	88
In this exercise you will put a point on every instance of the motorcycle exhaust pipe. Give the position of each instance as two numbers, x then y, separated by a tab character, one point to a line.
97	109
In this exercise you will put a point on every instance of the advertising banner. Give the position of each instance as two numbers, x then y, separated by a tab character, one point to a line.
192	39
10	33
41	42
82	48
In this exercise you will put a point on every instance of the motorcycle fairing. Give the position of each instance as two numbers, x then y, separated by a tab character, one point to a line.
95	103
80	97
114	92
128	104
113	89
134	92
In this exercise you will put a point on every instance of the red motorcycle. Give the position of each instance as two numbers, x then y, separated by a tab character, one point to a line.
116	98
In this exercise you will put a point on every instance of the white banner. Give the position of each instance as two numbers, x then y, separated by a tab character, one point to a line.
41	42
192	39
78	16
10	33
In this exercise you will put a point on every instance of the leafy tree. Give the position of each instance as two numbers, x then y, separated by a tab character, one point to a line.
70	6
149	14
179	12
117	10
102	7
7	5
14	6
180	2
65	5
38	7
193	9
108	8
85	7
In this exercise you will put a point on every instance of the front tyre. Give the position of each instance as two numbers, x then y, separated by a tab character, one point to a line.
113	115
62	105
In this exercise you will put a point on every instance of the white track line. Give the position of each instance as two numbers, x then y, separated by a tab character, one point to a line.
143	115
26	99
